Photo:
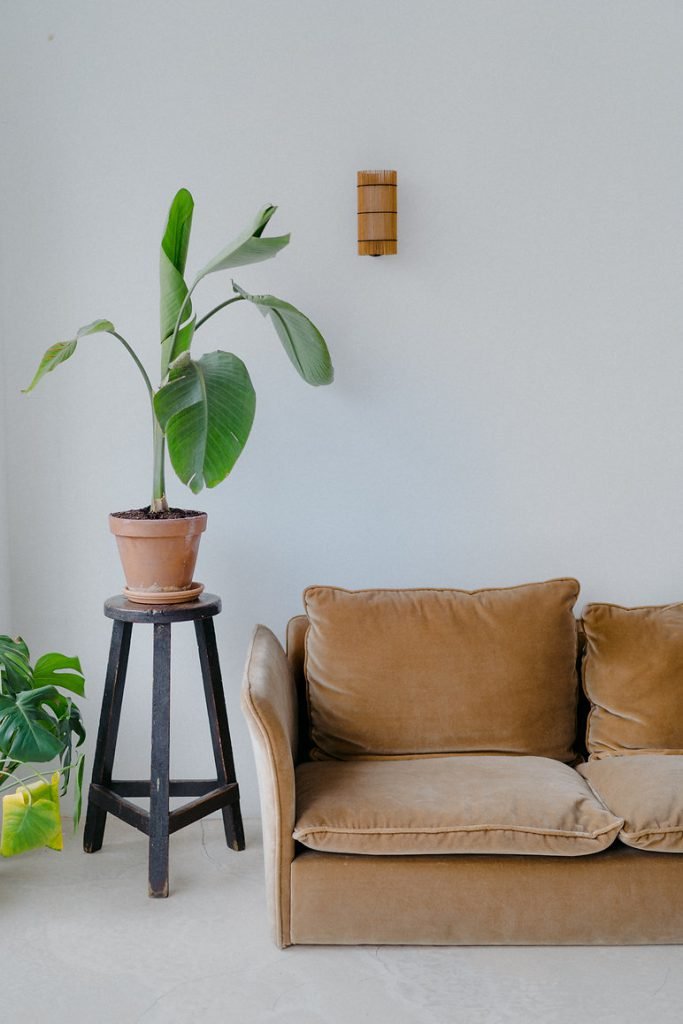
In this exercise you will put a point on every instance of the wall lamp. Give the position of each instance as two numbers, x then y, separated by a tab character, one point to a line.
377	213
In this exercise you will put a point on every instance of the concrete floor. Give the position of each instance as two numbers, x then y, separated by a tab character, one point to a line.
81	942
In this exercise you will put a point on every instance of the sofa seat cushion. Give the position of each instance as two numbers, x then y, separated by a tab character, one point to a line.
647	792
462	804
395	673
633	677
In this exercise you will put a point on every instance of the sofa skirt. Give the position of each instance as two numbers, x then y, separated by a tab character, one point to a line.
619	897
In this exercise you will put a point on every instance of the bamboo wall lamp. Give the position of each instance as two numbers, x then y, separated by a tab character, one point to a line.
377	213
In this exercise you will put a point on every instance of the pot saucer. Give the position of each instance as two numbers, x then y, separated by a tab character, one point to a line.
164	596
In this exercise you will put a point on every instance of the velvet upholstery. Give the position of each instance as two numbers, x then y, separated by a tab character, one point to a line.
619	897
465	804
633	676
491	671
647	792
269	704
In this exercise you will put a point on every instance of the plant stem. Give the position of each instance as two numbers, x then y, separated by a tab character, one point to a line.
37	775
6	769
228	302
134	357
159	503
159	500
22	781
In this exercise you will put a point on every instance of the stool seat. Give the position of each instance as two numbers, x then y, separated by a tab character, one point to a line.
121	608
111	796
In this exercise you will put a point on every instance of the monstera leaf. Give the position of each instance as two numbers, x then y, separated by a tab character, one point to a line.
27	732
63	350
301	339
15	670
31	818
59	670
206	411
68	725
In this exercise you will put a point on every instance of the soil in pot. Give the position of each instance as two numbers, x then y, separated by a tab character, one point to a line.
144	513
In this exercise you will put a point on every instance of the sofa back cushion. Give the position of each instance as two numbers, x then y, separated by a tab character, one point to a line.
396	673
633	677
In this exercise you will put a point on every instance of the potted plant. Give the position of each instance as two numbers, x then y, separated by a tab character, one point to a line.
203	409
38	724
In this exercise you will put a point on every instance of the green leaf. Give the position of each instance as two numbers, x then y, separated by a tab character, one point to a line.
59	670
76	725
31	818
69	724
15	670
78	790
183	339
27	731
176	240
96	327
206	411
63	350
16	643
248	247
301	339
55	355
174	246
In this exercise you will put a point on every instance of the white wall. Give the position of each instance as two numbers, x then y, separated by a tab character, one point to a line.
508	402
6	626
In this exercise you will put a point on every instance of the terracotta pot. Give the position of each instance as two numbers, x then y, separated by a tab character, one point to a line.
159	556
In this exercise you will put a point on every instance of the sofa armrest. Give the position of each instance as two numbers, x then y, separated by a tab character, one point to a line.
269	704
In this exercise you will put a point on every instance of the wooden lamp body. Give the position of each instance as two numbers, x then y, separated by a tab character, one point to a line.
377	213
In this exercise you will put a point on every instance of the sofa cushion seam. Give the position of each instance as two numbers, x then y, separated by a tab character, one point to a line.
641	833
455	829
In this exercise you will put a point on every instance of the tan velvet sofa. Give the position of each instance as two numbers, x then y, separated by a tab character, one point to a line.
392	814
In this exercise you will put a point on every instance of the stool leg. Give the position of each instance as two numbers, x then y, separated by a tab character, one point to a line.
108	731
220	731
159	787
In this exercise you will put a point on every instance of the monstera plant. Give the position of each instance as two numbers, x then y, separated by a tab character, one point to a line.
39	723
204	408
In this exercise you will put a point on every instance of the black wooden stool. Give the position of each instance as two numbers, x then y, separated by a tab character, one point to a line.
107	796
